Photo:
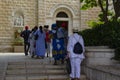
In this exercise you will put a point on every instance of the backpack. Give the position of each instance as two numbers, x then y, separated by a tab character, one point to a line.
60	33
77	49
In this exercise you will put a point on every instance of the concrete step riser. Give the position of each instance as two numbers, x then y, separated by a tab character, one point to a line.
42	77
36	71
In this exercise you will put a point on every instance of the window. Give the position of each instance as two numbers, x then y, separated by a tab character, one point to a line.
62	15
18	19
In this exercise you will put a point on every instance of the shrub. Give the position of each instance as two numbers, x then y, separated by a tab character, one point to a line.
18	41
103	34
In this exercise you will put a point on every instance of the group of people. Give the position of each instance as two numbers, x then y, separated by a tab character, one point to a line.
38	40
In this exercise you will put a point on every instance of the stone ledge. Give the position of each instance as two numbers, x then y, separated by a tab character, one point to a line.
99	49
111	69
103	72
99	55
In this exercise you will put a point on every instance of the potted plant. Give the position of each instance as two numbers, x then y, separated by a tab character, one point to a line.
18	41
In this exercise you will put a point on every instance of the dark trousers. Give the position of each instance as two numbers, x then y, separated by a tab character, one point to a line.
26	48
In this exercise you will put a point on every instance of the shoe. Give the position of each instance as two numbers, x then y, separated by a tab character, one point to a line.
77	79
26	54
47	54
42	57
62	61
37	57
72	79
55	63
32	56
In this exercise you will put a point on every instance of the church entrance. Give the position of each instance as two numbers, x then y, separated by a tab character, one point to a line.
62	18
59	23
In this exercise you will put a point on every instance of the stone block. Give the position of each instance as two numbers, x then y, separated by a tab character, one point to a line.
16	78
57	77
38	77
16	72
18	49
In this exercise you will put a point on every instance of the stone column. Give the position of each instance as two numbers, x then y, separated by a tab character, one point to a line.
41	12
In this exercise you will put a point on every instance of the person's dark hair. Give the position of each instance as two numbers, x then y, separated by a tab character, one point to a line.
32	30
35	28
41	29
46	26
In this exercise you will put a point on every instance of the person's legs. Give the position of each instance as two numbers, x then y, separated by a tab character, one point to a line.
28	46
78	68
48	49
72	61
25	51
54	52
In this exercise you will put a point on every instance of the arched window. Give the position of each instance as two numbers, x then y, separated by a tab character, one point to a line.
18	19
62	15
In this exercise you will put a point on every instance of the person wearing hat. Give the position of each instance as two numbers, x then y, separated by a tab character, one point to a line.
75	59
25	34
57	45
53	34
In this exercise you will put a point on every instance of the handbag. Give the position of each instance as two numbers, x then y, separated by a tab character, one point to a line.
68	65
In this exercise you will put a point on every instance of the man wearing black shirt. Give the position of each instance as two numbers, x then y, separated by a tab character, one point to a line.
25	34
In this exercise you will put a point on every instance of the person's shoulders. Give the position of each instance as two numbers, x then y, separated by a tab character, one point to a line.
77	35
71	36
29	30
23	32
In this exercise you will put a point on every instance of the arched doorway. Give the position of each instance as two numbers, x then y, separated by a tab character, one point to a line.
64	16
61	18
62	13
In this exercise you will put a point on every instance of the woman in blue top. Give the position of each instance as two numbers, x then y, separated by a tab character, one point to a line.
40	43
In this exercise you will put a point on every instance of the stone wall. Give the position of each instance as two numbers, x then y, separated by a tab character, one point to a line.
111	72
100	55
89	15
70	7
8	9
98	64
39	12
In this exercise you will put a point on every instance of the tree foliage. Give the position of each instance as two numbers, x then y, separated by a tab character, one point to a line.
104	6
88	4
116	4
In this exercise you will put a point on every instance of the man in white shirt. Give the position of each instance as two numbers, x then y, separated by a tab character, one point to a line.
75	59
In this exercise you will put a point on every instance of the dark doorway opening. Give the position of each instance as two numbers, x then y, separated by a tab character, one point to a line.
59	23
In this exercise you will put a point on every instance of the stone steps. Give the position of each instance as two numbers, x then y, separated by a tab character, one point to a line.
41	77
2	70
36	71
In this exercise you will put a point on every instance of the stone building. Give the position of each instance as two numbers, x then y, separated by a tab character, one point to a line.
15	14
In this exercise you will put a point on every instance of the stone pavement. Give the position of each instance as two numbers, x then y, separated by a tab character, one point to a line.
16	66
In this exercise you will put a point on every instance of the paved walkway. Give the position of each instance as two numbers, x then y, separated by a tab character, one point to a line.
5	58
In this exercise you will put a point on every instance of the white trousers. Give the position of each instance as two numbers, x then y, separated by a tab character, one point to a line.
48	48
75	67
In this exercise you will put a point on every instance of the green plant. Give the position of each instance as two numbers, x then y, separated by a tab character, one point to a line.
104	34
17	38
18	41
